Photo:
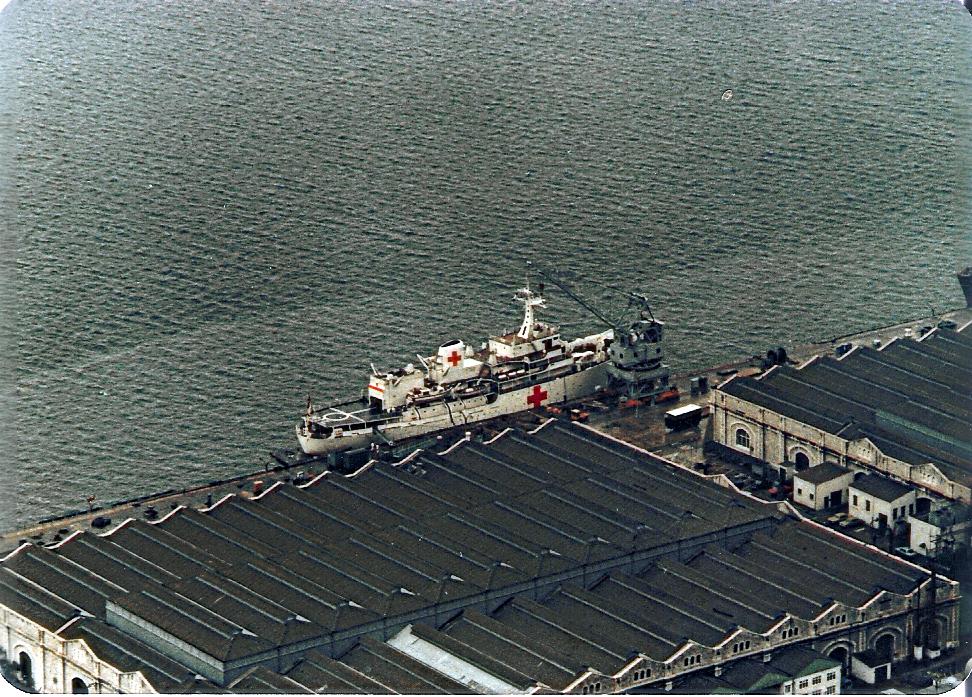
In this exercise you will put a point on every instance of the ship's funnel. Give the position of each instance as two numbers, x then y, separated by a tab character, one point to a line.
451	354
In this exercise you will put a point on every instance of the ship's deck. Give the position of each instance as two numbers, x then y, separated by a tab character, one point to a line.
338	417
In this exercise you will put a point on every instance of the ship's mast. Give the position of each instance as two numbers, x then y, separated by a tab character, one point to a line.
530	300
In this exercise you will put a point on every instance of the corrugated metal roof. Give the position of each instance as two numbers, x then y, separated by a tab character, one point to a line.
350	557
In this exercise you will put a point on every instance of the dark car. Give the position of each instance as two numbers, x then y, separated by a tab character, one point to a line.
100	522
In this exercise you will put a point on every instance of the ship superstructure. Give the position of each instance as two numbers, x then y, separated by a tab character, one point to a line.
459	385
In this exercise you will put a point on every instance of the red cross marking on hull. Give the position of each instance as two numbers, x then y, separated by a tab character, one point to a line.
535	398
454	358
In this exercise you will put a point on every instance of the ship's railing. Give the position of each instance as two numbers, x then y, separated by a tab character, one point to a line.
335	405
531	379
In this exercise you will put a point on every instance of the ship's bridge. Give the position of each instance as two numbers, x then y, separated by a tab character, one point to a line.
544	339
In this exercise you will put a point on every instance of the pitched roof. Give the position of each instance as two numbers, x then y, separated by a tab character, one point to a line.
797	661
911	398
127	654
263	681
881	487
751	675
523	518
822	473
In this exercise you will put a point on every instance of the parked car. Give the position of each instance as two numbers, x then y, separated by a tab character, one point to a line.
100	522
906	552
919	680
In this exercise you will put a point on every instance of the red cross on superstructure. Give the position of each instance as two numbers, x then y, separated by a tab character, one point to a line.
535	398
454	358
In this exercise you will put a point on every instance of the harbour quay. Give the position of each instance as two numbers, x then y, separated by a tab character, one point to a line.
578	550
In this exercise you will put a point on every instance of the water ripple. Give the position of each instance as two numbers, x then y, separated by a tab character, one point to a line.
217	209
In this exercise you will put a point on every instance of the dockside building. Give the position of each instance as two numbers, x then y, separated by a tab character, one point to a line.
904	410
555	560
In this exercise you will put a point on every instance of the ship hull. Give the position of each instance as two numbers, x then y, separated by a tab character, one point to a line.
335	444
422	420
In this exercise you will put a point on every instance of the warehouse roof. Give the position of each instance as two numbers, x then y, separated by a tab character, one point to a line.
573	534
796	571
128	655
263	681
325	675
911	398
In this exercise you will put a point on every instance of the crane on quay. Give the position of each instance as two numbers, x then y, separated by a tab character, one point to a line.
636	369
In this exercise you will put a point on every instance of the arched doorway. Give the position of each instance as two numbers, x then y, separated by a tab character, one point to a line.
841	654
801	460
884	646
26	669
930	634
79	687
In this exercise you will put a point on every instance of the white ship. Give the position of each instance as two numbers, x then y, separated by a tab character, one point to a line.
459	385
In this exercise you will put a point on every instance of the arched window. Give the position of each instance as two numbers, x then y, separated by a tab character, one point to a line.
79	687
801	460
742	437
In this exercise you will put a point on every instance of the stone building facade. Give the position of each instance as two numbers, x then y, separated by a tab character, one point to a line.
47	662
880	502
782	442
821	487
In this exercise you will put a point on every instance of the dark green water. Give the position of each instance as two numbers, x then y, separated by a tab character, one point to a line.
212	209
